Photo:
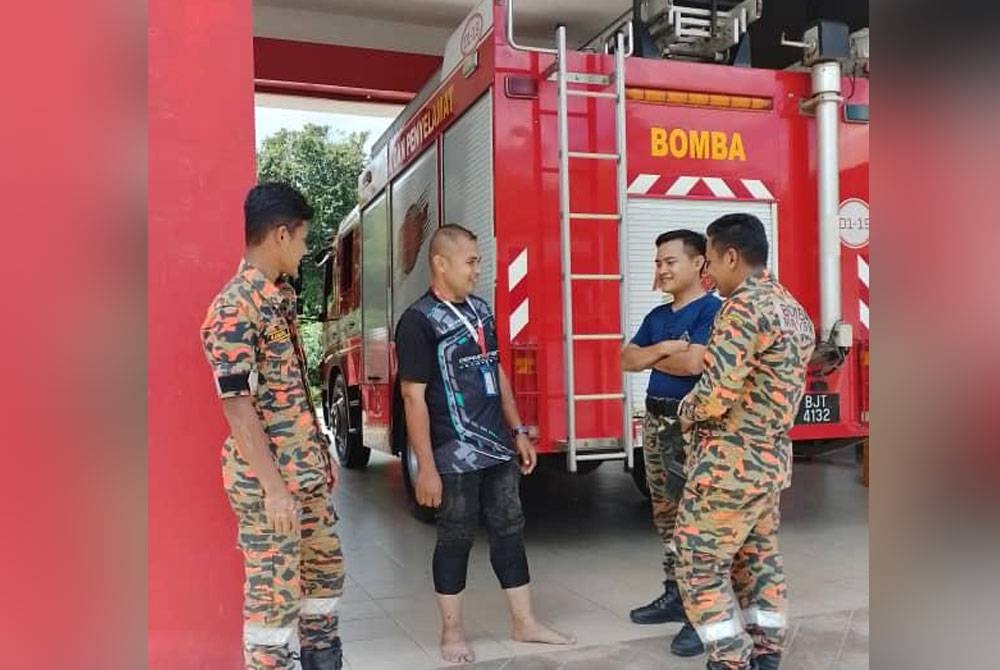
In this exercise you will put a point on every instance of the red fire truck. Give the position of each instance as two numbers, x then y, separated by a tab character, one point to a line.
567	164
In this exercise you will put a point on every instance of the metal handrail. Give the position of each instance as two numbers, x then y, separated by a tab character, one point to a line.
510	34
543	50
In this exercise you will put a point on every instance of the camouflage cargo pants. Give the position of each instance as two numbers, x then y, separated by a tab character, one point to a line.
730	573
292	582
662	447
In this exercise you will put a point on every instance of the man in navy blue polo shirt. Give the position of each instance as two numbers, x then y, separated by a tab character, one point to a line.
671	344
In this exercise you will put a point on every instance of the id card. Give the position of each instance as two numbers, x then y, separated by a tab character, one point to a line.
489	381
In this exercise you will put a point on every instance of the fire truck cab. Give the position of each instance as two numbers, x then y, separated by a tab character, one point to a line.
567	164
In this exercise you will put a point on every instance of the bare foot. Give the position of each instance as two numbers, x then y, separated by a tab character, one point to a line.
533	631
454	648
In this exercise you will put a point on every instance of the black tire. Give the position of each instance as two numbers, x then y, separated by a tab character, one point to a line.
351	453
639	473
556	463
586	467
409	463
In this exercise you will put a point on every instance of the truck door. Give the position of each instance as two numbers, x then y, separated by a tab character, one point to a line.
375	324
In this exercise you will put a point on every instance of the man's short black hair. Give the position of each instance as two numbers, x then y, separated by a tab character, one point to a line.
742	232
449	233
694	243
270	205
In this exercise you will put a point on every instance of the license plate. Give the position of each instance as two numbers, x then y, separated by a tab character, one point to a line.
819	408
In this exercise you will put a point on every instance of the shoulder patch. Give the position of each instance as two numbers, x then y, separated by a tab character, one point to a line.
792	318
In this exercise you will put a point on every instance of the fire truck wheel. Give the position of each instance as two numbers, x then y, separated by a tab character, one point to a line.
639	473
586	467
351	453
409	461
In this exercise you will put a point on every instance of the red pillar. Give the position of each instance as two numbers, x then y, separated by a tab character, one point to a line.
201	163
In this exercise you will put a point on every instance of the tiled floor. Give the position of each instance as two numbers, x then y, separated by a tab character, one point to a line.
593	556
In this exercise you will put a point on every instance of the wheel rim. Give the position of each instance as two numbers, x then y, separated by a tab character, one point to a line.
338	415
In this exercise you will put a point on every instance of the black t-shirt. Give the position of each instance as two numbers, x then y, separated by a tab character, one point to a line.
437	344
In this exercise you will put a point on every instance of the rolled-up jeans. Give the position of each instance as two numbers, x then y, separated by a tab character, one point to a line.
493	495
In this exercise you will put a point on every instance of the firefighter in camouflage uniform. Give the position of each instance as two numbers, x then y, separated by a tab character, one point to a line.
671	344
276	466
730	570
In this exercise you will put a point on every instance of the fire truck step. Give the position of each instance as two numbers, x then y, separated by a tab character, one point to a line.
597	277
599	396
593	155
592	94
602	457
597	336
595	216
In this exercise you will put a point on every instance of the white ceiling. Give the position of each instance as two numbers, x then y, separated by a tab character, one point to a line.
421	26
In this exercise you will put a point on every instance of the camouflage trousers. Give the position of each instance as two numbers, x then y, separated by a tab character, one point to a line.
663	450
293	582
731	573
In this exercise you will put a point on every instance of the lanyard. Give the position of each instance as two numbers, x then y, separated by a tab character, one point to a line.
478	334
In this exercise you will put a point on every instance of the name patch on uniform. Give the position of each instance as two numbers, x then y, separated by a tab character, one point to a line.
277	334
793	319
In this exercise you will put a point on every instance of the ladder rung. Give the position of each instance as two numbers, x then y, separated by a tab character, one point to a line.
693	32
614	455
600	396
696	22
598	336
586	277
588	78
591	94
595	216
594	155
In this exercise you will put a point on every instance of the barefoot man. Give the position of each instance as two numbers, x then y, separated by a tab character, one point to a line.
466	434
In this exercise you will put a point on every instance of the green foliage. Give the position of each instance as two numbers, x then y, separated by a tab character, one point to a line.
325	169
312	341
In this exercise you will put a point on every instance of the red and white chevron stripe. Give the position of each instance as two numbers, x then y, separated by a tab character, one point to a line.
516	272
687	186
863	291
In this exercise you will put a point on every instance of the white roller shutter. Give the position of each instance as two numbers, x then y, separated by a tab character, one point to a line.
467	159
647	219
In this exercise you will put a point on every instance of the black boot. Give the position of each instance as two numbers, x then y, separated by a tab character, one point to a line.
766	662
686	642
665	609
331	658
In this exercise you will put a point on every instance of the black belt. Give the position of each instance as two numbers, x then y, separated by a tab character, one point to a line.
662	406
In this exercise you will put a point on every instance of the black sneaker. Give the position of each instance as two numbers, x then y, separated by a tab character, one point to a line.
665	609
766	662
330	658
686	643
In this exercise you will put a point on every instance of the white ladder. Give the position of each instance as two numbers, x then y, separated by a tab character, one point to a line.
567	218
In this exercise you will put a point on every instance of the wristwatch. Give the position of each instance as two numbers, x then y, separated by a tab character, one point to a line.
521	430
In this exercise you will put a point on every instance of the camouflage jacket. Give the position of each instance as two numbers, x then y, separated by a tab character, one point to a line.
250	336
746	400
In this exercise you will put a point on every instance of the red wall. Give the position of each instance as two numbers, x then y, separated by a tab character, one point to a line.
201	163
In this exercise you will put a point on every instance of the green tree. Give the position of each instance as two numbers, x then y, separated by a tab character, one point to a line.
325	168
